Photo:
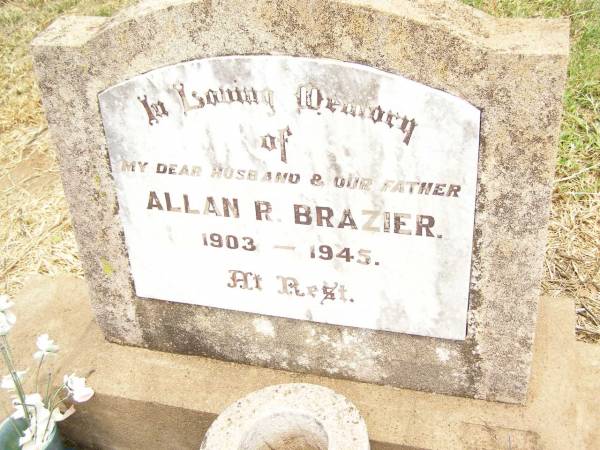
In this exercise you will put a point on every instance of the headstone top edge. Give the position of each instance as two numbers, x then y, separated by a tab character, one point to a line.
70	31
541	36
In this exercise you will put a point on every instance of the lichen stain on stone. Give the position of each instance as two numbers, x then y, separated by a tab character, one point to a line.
264	327
348	338
325	338
331	370
107	268
263	355
471	354
308	20
303	361
443	354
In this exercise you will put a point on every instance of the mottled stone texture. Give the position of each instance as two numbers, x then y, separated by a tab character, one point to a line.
513	70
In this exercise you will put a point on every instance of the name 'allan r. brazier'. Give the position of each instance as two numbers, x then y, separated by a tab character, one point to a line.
351	189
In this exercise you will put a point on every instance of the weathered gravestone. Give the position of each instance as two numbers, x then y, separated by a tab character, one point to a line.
352	189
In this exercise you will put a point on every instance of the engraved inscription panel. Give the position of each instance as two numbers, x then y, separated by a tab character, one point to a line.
305	188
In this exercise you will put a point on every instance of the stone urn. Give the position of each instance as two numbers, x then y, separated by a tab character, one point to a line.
289	417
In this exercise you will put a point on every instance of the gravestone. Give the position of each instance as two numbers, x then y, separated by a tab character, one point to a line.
359	190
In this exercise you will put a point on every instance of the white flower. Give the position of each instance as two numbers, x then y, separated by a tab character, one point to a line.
5	303
77	388
46	346
57	416
7	318
42	425
33	403
28	442
43	422
8	381
25	441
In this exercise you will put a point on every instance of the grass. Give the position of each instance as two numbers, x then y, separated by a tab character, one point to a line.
35	230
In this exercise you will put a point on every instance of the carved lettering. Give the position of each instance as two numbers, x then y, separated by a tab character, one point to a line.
153	110
224	95
312	98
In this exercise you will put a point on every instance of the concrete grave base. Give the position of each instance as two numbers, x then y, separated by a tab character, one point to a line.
153	400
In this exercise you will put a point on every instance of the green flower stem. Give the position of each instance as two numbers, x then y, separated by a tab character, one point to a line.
53	405
51	409
37	372
11	368
33	425
35	418
47	396
46	429
59	402
51	399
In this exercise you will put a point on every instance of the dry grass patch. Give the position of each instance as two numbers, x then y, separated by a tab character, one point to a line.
35	228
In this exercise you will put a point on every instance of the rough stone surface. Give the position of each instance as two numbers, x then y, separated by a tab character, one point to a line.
289	416
512	70
155	400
